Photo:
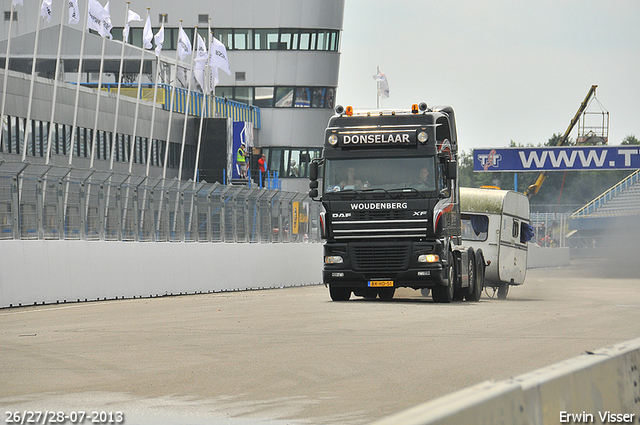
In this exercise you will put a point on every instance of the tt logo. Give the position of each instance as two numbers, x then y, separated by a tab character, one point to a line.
341	215
420	213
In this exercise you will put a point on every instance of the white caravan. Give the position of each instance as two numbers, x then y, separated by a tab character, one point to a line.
497	221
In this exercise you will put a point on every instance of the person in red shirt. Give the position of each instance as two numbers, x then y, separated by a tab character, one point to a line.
262	163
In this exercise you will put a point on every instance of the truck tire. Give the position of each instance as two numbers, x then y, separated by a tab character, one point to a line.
475	289
479	286
339	293
370	294
386	293
444	293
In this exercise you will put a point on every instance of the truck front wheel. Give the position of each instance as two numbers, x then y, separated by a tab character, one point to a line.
339	293
386	293
444	293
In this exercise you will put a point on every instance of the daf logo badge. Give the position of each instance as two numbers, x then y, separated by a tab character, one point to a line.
341	215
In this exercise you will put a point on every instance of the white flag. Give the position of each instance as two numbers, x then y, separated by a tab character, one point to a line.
201	61
159	39
74	12
106	22
99	19
45	10
147	34
213	79
184	44
219	56
383	88
17	3
132	16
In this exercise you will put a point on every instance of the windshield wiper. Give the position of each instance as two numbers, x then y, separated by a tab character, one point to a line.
409	189
350	193
379	189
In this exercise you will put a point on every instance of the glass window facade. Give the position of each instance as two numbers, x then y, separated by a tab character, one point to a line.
249	38
291	162
281	97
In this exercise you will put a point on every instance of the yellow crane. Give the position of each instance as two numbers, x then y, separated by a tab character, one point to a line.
534	188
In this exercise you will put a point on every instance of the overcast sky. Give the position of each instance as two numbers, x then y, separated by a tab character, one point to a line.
511	69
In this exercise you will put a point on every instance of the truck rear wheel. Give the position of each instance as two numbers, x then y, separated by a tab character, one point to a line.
479	278
475	285
444	293
339	293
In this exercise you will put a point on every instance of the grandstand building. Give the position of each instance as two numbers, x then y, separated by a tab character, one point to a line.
284	59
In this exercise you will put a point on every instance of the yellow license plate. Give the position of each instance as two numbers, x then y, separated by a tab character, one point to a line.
380	283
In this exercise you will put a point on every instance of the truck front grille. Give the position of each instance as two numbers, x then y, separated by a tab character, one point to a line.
386	257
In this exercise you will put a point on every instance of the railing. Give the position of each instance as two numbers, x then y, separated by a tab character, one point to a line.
607	196
199	103
52	202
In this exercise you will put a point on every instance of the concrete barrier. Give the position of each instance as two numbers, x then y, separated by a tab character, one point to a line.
538	257
44	272
598	387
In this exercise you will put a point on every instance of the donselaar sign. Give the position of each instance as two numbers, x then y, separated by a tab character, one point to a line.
391	138
557	158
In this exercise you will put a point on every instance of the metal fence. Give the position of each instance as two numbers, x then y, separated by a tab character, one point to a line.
53	202
550	229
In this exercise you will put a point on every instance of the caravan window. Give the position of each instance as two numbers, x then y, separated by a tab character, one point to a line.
475	227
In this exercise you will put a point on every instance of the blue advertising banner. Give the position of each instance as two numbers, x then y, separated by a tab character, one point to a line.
242	133
557	158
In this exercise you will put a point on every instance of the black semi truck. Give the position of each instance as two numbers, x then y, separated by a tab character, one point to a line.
388	183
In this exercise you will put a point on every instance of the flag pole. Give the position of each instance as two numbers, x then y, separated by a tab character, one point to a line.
153	114
154	106
97	110
6	71
55	90
75	108
27	129
377	88
186	109
184	131
172	97
205	93
117	111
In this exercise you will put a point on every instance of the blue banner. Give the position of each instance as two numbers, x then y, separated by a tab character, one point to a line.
557	158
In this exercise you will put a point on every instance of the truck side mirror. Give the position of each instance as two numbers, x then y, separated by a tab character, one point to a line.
313	193
313	171
313	184
452	170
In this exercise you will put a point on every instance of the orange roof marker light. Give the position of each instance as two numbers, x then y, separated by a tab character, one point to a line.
349	111
414	108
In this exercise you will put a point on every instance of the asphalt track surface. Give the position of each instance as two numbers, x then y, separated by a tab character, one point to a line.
291	356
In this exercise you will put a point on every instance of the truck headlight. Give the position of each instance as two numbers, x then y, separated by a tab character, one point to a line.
333	259
333	140
428	258
423	137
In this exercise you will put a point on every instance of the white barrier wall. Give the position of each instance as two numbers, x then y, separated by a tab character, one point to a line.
67	271
538	257
599	387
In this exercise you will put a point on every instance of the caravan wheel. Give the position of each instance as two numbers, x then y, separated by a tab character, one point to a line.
503	290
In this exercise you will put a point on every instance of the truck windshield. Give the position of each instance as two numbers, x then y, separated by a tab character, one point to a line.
379	173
